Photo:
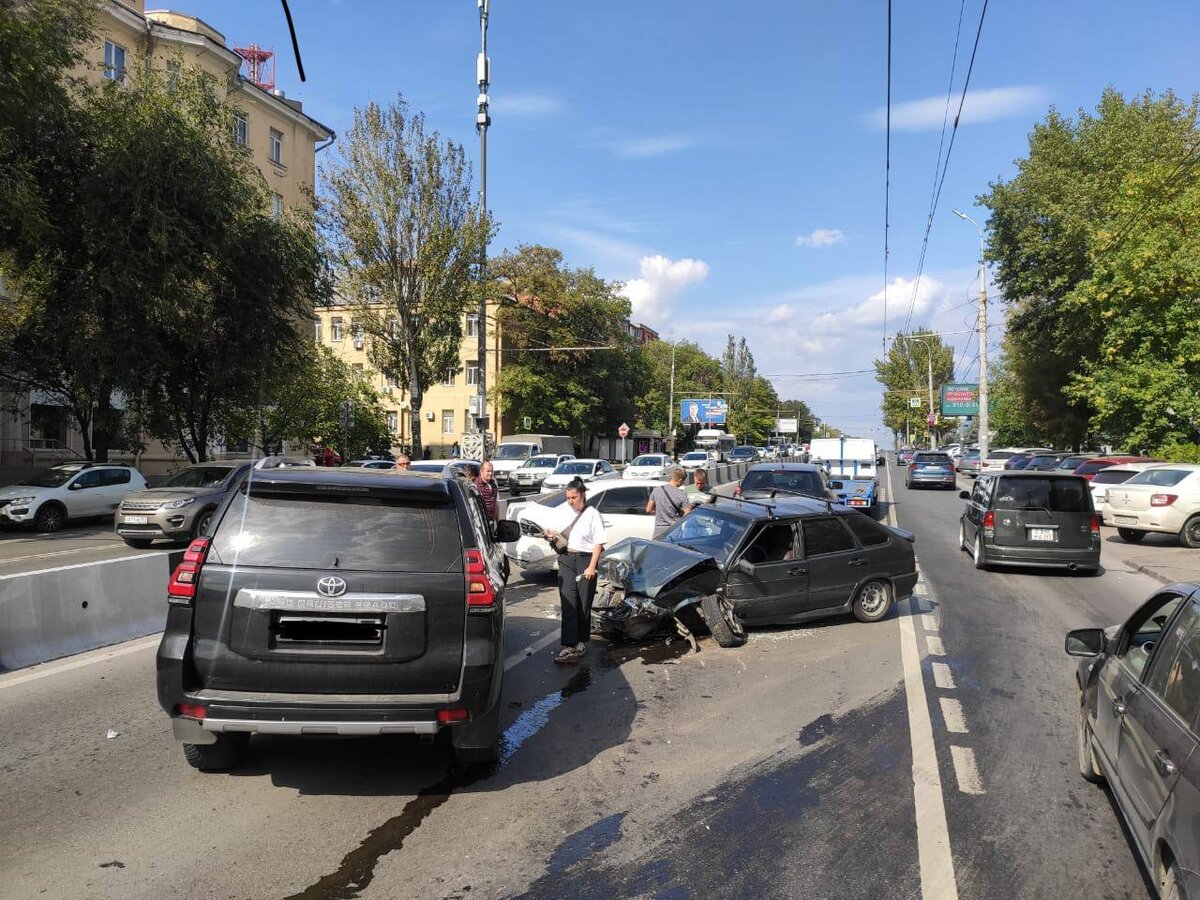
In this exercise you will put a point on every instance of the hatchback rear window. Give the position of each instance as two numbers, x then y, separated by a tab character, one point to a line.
329	532
1055	494
1160	477
1111	476
793	482
1000	454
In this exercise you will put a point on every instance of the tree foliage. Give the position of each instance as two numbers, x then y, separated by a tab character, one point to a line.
904	373
406	239
696	375
1095	245
752	399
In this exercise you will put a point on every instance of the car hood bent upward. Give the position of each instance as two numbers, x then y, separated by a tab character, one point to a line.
658	571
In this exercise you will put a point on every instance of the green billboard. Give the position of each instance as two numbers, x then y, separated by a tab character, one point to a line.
960	400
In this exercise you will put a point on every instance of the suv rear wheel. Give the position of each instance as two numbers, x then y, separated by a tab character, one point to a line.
225	753
50	518
483	737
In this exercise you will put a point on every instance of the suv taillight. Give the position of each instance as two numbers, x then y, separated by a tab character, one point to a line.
480	593
1095	526
182	587
1163	499
989	523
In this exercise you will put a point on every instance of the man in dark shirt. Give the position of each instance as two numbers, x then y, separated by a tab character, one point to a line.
490	491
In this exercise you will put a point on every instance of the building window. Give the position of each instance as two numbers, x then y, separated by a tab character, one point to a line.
358	370
317	331
390	382
359	335
276	206
449	381
335	328
394	328
473	325
276	148
114	61
473	375
393	420
447	421
241	128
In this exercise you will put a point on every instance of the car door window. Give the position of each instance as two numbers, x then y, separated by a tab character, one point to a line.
775	543
869	532
826	535
90	479
1144	630
982	487
116	476
1174	674
624	501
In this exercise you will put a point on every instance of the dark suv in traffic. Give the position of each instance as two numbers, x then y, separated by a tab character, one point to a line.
337	602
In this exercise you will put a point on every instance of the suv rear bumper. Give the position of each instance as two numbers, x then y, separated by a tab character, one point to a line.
1042	557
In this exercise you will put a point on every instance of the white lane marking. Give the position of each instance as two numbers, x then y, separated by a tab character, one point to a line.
966	771
933	835
942	676
544	641
952	712
99	562
934	643
929	622
45	670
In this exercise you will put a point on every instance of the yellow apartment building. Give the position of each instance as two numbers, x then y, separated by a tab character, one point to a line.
281	138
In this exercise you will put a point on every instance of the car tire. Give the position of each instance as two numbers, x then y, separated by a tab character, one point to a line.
722	621
485	740
220	756
978	554
1131	535
50	518
873	601
1170	885
962	537
202	522
1084	751
1189	534
138	543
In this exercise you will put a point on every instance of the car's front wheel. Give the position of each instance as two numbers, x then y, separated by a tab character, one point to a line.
1088	767
722	621
1170	885
202	522
223	754
138	543
1131	535
50	518
873	601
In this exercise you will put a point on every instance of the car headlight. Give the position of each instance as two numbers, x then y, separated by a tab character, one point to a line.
179	504
18	501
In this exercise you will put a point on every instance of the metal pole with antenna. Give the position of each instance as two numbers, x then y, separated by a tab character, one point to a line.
483	75
983	339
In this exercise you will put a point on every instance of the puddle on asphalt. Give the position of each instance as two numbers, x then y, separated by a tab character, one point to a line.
358	866
650	654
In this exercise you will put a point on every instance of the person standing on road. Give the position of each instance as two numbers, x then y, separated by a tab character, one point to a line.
698	491
667	503
583	530
486	482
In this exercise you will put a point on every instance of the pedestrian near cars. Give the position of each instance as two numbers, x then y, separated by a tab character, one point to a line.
667	503
579	539
402	464
698	491
455	450
489	490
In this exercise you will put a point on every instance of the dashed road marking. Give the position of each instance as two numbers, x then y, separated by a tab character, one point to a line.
952	713
934	645
965	770
942	676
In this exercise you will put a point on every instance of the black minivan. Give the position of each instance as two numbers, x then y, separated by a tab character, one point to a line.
1023	518
337	602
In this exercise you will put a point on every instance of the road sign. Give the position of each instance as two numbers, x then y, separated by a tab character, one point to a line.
960	399
623	431
914	402
930	420
347	414
527	422
703	412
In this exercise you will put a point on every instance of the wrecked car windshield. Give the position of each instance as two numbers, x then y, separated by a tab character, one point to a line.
708	531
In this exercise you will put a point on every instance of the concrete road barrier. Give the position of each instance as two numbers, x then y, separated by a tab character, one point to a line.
56	612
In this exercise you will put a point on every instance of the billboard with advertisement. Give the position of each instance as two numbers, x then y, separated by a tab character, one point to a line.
960	399
703	412
786	426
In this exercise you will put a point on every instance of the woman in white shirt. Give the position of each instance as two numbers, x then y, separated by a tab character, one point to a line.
584	530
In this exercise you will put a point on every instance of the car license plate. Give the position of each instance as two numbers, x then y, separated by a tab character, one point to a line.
1126	520
1042	534
136	520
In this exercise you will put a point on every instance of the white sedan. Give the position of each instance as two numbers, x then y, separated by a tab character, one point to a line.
697	459
621	504
586	469
649	465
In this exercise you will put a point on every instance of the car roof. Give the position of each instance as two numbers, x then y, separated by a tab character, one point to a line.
1138	466
352	479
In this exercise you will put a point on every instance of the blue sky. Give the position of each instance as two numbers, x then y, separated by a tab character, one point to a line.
727	159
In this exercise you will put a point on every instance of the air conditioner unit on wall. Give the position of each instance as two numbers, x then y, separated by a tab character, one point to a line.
429	416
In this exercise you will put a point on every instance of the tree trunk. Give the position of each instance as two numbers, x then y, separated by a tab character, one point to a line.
104	424
414	421
84	421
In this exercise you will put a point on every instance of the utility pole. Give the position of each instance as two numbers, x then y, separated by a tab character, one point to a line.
483	73
671	400
983	341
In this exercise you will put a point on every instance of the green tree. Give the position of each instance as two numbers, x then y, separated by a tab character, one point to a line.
1095	251
696	375
905	372
406	238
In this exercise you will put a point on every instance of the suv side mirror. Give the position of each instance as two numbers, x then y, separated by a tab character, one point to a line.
1085	642
746	567
507	531
964	495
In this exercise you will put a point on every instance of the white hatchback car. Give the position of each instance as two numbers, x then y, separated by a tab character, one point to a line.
586	469
56	495
649	465
1164	498
621	504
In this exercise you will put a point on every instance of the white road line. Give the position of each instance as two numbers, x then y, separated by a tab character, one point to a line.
99	562
966	771
935	646
942	676
933	835
544	641
952	712
45	670
929	623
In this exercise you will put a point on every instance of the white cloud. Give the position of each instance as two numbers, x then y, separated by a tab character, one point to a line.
626	146
985	105
528	105
870	312
781	313
661	281
821	237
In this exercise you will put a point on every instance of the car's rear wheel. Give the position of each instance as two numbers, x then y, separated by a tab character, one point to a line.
1086	754
980	559
873	601
138	543
1130	535
722	621
225	753
50	518
962	537
1189	535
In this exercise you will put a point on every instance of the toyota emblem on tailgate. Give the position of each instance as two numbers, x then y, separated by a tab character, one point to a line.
331	586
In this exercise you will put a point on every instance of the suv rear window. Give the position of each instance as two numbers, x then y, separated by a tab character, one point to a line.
797	482
1056	494
943	458
326	532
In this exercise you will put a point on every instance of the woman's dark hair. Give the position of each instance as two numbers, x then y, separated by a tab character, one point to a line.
577	484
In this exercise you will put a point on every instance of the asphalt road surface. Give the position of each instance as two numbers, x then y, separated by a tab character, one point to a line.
927	755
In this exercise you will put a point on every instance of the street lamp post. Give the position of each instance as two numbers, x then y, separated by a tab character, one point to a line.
671	399
983	339
483	75
929	362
